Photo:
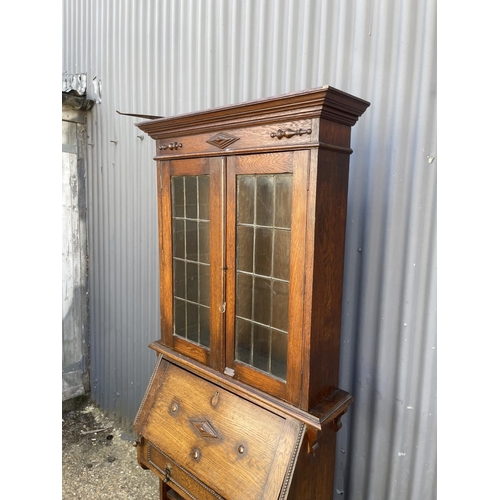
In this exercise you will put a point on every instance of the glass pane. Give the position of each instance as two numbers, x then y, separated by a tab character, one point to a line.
191	252
262	301
205	326
262	348
280	305
244	295
246	195
281	256
192	322
178	239
203	197
204	241
192	281
279	345
180	317
191	196
204	284
245	248
283	201
243	341
263	250
265	200
178	196
191	240
179	279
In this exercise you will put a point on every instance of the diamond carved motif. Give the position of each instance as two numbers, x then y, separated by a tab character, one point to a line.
222	140
205	429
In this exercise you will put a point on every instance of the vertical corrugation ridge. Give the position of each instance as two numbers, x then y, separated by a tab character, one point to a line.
179	56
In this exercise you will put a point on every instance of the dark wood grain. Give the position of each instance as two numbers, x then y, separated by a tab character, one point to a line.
165	251
324	275
315	471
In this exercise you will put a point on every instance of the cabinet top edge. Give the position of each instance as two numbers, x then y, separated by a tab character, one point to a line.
323	102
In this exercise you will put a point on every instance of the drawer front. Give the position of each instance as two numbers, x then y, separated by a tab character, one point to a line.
233	447
234	139
178	478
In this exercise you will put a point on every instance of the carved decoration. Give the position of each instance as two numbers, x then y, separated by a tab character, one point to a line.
291	465
222	140
168	471
173	145
337	424
312	436
205	429
290	133
174	409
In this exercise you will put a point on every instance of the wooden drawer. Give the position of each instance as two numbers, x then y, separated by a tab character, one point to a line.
213	440
174	475
234	139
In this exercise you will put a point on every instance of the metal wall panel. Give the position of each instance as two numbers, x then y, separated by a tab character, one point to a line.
174	56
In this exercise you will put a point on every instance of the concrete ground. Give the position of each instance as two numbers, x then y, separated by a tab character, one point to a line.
99	459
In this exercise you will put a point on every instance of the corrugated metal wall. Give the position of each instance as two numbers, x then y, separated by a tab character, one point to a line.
170	57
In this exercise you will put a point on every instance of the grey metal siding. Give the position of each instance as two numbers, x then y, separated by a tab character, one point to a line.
169	57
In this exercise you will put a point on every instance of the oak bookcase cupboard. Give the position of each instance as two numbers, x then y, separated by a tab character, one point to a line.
244	400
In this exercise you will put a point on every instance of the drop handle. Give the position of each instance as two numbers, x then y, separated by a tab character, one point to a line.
168	471
290	133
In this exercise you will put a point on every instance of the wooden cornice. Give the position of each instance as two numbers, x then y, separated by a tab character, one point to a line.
323	102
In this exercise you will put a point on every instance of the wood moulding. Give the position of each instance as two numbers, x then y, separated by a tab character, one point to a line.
323	102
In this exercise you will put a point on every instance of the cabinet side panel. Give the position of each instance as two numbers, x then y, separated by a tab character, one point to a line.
334	134
164	230
314	473
328	269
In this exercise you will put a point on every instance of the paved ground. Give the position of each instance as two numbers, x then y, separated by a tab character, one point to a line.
98	458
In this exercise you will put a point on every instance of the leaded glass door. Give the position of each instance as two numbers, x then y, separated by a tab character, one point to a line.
192	273
266	213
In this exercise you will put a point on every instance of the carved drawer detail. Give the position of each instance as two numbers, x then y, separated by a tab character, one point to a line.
222	140
237	138
205	429
177	477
